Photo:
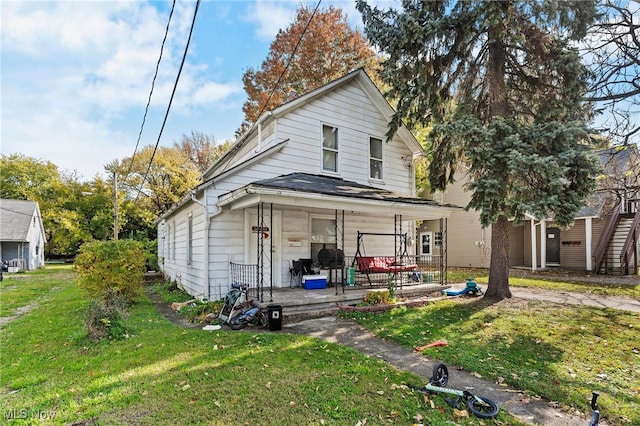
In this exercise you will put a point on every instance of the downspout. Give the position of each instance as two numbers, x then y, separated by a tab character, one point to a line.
543	244
534	248
588	230
207	226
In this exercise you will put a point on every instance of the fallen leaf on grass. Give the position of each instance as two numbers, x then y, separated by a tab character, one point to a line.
460	413
380	392
292	404
394	387
476	375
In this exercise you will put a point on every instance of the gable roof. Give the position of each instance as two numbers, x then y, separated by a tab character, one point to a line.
15	219
359	76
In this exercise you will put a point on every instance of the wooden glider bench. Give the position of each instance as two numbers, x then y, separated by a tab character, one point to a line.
382	264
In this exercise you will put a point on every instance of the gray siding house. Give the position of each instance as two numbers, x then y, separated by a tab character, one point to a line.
311	175
605	236
22	236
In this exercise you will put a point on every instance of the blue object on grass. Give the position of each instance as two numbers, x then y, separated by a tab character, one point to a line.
471	288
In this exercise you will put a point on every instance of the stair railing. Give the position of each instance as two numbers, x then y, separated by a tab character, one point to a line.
605	238
630	244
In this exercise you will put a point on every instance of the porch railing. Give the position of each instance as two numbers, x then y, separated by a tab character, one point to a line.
629	249
605	238
247	276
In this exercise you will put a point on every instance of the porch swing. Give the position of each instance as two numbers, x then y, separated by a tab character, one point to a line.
382	264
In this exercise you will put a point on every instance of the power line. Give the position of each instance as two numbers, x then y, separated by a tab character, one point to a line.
153	83
173	92
293	54
284	71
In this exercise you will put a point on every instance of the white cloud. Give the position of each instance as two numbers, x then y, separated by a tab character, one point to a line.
270	17
71	70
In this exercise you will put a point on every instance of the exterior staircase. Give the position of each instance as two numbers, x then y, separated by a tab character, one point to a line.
617	239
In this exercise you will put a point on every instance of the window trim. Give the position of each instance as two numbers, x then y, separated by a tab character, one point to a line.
380	160
336	150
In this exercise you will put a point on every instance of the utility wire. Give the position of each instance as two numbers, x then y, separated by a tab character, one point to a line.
284	71
153	83
173	92
293	54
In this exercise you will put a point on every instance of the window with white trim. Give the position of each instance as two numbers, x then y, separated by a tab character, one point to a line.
329	149
375	158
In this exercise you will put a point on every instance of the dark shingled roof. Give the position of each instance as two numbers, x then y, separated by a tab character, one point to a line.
327	185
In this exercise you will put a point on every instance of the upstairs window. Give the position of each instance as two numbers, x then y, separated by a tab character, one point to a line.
329	149
375	158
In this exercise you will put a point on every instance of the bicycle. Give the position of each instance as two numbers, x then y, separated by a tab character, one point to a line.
595	412
478	405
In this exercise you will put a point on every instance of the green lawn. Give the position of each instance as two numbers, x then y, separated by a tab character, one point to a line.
164	374
561	353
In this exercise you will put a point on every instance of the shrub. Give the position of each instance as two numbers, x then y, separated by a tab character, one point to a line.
106	319
378	297
111	268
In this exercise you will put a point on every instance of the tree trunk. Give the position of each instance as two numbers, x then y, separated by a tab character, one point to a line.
499	272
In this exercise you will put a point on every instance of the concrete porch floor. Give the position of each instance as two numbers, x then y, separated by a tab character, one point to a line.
298	303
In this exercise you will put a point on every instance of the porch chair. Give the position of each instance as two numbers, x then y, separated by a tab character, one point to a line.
297	269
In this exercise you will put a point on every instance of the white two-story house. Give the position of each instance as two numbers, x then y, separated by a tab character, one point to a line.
315	174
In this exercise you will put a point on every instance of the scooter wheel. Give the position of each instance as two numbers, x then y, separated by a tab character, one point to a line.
485	408
440	376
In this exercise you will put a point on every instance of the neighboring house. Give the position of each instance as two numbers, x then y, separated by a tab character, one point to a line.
606	229
22	236
306	179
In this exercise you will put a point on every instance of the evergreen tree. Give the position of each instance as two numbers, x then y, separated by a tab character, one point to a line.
503	92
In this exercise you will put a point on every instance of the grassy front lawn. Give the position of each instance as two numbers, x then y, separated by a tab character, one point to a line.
558	352
164	374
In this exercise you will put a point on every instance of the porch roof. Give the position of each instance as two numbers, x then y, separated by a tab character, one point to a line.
302	190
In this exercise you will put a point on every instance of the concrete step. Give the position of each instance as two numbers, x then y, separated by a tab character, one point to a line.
300	304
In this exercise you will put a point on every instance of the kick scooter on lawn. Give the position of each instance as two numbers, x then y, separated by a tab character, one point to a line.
478	405
595	413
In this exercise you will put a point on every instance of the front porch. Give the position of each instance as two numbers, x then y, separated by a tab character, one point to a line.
298	304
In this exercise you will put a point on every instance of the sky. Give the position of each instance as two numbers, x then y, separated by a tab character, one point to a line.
76	75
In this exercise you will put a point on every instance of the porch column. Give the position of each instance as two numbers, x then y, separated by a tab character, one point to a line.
534	249
543	244
588	241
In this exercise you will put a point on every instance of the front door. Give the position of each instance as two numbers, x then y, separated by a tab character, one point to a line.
426	242
270	245
553	245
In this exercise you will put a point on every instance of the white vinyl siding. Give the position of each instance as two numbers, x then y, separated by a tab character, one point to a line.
349	117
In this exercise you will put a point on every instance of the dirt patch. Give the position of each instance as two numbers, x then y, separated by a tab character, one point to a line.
167	312
22	310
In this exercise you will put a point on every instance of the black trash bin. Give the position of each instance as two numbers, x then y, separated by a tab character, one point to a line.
275	317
